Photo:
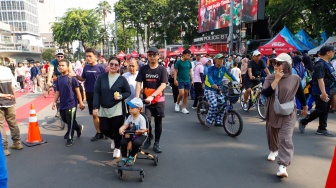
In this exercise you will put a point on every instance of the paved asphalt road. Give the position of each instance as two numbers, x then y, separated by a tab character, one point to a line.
193	156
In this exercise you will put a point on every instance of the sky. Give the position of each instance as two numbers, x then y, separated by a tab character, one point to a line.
62	5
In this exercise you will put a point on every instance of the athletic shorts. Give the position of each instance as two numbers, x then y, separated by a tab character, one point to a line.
184	85
89	100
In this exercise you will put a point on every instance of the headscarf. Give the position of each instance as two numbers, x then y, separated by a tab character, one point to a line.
298	66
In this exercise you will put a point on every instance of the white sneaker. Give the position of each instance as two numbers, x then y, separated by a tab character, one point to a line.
282	172
194	108
112	144
116	153
177	108
272	156
185	111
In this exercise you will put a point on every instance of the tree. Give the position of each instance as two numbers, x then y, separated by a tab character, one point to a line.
48	54
104	8
78	24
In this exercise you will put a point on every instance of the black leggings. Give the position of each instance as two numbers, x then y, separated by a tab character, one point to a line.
158	113
199	91
110	128
135	145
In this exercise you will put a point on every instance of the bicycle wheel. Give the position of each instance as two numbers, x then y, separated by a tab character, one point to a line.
202	111
261	106
242	104
233	123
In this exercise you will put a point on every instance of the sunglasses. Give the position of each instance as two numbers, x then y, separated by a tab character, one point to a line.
59	56
278	63
114	64
152	55
131	65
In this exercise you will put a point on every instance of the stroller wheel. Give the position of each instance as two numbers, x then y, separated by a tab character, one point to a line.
142	175
120	173
156	160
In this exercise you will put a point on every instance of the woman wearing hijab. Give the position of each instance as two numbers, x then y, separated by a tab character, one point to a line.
198	79
299	70
279	128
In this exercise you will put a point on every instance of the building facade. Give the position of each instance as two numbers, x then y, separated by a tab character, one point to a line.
21	42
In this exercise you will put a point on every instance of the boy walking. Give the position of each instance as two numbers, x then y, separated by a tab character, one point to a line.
67	90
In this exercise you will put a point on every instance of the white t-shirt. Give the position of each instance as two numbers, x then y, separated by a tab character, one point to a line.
132	83
138	123
236	71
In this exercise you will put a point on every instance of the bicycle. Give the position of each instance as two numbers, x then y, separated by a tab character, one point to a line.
255	99
45	87
232	120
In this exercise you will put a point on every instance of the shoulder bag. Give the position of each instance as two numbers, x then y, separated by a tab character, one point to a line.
282	109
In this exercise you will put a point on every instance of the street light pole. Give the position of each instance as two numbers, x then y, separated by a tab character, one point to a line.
165	43
116	34
231	27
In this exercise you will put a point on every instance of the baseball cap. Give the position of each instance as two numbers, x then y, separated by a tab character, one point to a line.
218	56
284	57
135	103
153	49
256	53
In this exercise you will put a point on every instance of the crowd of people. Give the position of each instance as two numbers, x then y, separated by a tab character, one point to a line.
113	89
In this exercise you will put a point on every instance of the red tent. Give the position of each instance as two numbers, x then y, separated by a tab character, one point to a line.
121	55
279	44
207	50
193	49
134	54
177	52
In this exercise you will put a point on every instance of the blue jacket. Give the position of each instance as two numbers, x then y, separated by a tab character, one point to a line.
216	75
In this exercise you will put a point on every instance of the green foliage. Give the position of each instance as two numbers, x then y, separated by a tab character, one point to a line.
159	16
48	54
78	24
314	16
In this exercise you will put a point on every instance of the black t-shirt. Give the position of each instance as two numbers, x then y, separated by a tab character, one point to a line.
256	67
152	79
322	71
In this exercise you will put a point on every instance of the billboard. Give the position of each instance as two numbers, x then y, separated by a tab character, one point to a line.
215	14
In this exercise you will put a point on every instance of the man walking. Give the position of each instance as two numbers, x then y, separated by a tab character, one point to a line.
90	74
154	79
7	110
323	82
183	79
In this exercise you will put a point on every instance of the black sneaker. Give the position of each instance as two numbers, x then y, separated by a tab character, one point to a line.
69	142
147	143
157	148
250	104
98	136
79	132
324	133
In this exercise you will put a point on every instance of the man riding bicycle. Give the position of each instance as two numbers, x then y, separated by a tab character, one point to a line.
53	71
212	92
254	69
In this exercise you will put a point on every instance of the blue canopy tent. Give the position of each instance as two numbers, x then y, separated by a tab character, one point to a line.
289	37
305	39
324	37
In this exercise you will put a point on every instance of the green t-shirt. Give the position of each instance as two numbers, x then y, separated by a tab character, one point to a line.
183	68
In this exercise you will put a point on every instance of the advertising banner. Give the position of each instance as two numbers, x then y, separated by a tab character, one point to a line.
215	14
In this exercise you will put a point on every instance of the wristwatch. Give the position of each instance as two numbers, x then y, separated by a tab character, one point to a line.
153	95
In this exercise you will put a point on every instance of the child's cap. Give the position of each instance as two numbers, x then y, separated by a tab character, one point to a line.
135	103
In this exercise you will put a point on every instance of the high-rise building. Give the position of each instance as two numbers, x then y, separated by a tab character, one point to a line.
24	42
22	15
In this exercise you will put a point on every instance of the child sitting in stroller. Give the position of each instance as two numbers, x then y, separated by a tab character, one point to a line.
135	122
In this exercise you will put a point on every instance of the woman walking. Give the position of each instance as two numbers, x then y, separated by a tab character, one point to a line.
110	91
279	128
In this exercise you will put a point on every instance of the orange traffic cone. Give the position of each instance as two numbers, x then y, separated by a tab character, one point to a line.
34	136
331	181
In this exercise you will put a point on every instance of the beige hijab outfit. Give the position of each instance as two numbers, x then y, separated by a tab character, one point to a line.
279	128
